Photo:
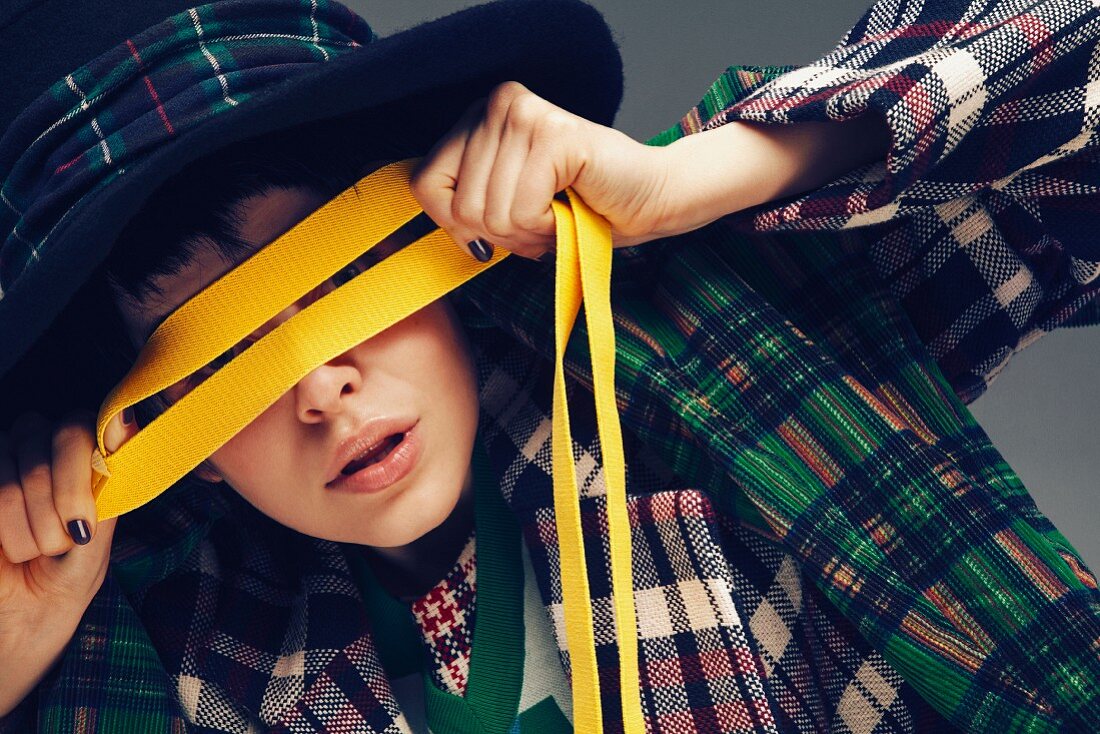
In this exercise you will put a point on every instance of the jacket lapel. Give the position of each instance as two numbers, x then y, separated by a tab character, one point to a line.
698	667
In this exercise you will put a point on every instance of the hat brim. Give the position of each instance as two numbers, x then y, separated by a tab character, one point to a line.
422	78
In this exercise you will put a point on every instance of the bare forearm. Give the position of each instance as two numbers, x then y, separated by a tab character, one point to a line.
743	164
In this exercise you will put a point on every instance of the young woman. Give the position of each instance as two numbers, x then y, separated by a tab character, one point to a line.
291	624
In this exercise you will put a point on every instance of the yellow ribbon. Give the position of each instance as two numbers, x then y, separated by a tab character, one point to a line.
232	307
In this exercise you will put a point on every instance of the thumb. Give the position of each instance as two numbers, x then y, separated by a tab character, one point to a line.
77	574
120	429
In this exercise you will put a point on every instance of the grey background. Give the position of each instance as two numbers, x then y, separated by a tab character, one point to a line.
1038	411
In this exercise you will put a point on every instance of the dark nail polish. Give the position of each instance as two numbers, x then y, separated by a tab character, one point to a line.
127	416
481	249
78	531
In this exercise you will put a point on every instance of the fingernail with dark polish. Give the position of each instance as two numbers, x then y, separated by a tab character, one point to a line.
78	531
127	416
481	249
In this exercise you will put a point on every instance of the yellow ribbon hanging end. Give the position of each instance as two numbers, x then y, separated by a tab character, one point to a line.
583	274
212	412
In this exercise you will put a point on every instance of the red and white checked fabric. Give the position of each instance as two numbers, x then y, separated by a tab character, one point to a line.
445	618
992	176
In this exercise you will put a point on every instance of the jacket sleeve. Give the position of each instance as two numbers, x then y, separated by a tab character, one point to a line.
976	95
990	191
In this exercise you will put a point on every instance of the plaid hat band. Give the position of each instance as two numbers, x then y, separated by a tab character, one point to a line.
82	133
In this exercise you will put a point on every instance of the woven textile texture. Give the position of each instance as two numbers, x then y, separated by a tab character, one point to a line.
824	537
987	200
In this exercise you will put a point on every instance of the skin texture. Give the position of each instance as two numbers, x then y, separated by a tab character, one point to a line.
492	176
419	368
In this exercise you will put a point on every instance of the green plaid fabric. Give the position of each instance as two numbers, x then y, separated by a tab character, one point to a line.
781	373
778	373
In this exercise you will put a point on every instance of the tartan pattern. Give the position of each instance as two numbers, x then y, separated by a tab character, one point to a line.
838	438
445	618
79	136
273	632
982	218
726	642
782	382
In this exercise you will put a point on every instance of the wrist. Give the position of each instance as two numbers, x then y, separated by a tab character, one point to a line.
30	648
744	164
814	153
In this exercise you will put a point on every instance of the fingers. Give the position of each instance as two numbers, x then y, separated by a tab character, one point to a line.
119	430
468	183
31	435
475	166
434	181
71	470
73	482
80	574
16	540
46	501
499	190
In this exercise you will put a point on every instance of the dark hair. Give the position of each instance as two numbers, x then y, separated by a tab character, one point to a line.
200	206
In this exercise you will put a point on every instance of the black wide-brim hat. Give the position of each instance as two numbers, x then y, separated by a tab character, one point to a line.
421	78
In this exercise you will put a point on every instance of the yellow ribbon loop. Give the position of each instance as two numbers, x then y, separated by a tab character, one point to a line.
338	233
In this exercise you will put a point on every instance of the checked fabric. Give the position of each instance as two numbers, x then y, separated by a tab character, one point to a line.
987	200
824	537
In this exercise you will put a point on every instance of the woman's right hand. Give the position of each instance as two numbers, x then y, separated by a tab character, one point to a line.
53	553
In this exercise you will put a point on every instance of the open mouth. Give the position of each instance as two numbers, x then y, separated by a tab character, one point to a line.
373	454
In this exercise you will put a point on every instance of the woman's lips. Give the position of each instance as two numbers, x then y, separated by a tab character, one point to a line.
391	469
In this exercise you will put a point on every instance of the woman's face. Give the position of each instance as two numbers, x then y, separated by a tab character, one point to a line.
416	377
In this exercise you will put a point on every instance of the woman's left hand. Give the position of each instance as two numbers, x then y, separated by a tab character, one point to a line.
495	172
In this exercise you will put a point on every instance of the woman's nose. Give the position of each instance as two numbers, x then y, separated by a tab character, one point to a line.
324	390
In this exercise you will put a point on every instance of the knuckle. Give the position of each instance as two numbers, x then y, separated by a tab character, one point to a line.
498	225
503	94
55	545
20	552
49	535
466	211
11	503
527	110
498	103
526	220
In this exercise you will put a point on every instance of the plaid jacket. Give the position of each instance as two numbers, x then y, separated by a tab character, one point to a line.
982	217
824	538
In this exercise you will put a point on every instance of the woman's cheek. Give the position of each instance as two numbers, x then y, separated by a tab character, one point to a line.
251	457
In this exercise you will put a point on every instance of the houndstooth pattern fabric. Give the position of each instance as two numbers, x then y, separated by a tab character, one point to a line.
251	617
445	618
